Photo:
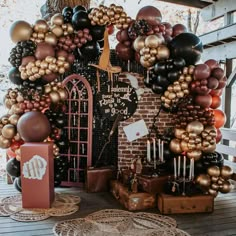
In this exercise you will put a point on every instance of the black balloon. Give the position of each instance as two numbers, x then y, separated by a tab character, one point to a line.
97	32
67	10
157	88
161	81
80	20
13	167
173	75
14	76
160	67
17	184
179	63
90	50
79	8
187	46
212	159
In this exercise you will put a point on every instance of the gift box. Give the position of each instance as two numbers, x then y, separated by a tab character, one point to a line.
168	204
37	175
132	201
97	179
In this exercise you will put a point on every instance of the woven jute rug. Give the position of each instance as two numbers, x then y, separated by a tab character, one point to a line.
113	222
64	204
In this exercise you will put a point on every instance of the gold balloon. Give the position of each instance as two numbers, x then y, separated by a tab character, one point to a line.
195	127
145	63
215	186
175	146
178	133
184	146
63	94
54	96
225	187
4	119
226	172
163	52
17	137
209	149
57	19
213	192
4	142
214	179
213	171
152	41
51	39
8	131
41	26
195	154
20	31
57	30
203	180
139	43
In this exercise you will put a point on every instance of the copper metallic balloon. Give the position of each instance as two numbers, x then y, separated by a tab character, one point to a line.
13	119
225	187
213	171
175	146
41	26
204	180
20	31
57	19
4	142
226	172
152	41
214	179
209	149
215	186
195	126
163	52
51	38
178	133
213	192
195	154
139	43
8	131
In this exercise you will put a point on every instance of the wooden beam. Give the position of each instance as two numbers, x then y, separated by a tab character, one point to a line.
218	9
192	3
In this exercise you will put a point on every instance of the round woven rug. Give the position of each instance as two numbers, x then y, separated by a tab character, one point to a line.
113	222
64	204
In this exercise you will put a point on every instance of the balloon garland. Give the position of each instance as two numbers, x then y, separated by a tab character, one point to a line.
45	51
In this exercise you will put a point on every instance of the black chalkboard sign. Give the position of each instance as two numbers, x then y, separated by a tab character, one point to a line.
121	99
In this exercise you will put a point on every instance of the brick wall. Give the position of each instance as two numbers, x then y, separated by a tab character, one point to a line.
147	108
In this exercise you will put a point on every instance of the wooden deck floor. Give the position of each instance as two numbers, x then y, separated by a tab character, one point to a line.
221	222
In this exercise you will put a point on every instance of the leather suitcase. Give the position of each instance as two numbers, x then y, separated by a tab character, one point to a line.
132	201
97	179
168	204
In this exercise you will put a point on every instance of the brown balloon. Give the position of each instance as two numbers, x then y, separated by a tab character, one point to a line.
26	60
213	171
43	50
201	71
226	172
8	131
20	31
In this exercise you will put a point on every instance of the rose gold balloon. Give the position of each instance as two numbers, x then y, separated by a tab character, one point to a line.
20	31
195	154
195	127
203	180
213	171
175	146
57	19
8	131
226	172
225	187
139	43
4	142
51	38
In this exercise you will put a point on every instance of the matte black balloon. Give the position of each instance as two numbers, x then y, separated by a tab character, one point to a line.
173	75
148	82
14	76
179	63
167	154
212	159
13	167
97	32
79	8
17	184
80	20
90	50
187	46
157	88
160	68
161	81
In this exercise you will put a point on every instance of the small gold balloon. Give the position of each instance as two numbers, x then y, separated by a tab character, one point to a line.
152	41
4	142
184	146
41	26
209	149
195	127
139	43
215	186
13	119
8	131
163	52
57	30
225	187
213	192
195	154
54	96
213	171
203	180
226	172
178	133
57	19
63	94
175	146
51	38
214	179
145	63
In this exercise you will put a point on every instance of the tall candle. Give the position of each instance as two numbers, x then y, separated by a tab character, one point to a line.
162	151
154	148
193	169
190	169
184	168
159	149
175	173
179	159
148	151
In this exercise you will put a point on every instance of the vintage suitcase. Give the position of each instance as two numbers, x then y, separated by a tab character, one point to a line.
132	201
168	204
97	179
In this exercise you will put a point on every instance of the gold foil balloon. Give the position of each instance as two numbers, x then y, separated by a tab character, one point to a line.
20	31
209	149
152	41
163	52
226	172
4	142
215	186
213	171
139	43
8	131
195	154
175	146
184	146
41	26
213	192
203	180
63	94
51	39
214	179
195	127
54	96
13	119
225	187
178	133
57	19
57	30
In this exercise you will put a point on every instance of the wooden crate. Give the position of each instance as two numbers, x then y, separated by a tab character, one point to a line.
168	204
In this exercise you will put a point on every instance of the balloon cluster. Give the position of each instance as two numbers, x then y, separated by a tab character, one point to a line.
216	180
110	15
212	159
